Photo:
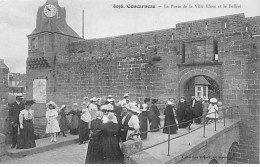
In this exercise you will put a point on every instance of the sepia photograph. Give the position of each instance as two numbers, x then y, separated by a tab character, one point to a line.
129	82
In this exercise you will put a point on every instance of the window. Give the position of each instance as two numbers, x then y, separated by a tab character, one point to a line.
215	58
33	43
201	91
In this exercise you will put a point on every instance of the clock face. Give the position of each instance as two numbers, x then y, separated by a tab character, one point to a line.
50	10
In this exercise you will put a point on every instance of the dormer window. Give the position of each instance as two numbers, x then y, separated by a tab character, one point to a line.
33	43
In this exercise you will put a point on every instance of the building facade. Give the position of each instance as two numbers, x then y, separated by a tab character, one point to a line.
63	67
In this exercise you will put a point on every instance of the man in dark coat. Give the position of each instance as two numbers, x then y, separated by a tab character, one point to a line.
14	111
197	110
180	112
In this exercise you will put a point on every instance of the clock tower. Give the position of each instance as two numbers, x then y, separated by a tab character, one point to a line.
49	40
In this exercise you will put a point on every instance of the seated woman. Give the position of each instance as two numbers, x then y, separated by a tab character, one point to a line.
95	153
26	137
112	153
169	119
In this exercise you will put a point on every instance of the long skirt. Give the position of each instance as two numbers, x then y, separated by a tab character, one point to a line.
74	122
154	121
112	153
26	136
74	125
168	122
94	153
64	124
83	131
143	121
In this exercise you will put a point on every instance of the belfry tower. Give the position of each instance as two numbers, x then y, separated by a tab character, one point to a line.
49	39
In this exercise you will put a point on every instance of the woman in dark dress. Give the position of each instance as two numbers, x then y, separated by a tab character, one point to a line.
169	119
188	115
143	119
84	129
95	153
75	112
112	153
64	123
181	108
153	116
26	136
197	110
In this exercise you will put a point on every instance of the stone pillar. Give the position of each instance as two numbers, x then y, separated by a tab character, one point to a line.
4	89
131	147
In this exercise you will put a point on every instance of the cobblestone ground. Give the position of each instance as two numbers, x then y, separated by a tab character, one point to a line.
72	154
75	154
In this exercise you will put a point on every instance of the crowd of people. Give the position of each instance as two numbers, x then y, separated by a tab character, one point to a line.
106	124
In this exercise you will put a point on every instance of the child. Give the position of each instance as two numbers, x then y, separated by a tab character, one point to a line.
212	109
52	122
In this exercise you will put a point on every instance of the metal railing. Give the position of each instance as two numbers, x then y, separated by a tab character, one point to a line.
204	126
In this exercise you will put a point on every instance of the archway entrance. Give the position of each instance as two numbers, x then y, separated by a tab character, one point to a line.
233	152
213	161
201	85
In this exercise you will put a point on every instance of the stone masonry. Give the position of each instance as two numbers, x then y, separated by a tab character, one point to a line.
4	137
156	64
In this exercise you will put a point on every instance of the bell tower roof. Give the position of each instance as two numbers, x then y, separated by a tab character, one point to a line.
56	23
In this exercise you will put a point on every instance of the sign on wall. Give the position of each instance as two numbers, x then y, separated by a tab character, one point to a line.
39	90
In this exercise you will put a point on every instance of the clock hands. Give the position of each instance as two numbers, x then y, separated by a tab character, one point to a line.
49	10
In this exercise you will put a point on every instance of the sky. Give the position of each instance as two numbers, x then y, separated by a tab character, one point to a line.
102	19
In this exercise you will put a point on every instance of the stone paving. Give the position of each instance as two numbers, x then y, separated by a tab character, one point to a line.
75	154
71	154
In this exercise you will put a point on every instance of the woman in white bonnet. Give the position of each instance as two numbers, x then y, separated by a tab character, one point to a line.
75	114
52	122
84	125
94	152
133	123
110	144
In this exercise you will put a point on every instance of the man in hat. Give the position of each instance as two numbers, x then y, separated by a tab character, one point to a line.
197	110
125	101
14	111
99	102
181	108
117	110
